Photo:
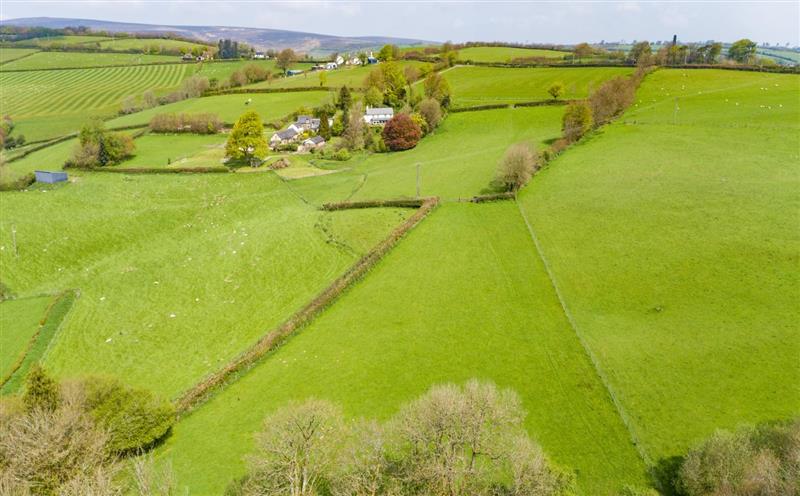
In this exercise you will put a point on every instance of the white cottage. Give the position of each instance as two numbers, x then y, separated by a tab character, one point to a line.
378	115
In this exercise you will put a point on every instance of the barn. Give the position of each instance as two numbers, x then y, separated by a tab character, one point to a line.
50	176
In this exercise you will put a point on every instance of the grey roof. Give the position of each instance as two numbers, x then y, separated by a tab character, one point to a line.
317	140
303	118
287	134
380	111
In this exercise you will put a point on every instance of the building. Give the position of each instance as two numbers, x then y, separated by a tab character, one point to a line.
50	177
331	65
306	123
313	143
372	60
339	60
288	135
294	72
260	56
379	116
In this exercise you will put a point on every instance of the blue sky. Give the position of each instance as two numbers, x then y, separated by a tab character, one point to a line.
534	21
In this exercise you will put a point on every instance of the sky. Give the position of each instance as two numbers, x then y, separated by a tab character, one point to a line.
458	21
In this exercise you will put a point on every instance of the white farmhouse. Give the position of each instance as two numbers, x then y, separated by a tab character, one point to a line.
378	115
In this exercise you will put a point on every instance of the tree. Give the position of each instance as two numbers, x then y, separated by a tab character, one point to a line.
577	121
246	141
99	147
394	91
296	450
411	74
432	112
345	98
640	50
583	50
41	391
285	59
149	99
373	97
401	133
448	54
420	121
389	52
516	167
323	78
324	126
437	87
742	51
354	127
556	90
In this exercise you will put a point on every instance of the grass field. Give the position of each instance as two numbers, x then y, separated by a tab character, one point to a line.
676	247
63	40
49	158
486	85
196	267
175	150
57	60
271	106
19	320
505	54
153	45
53	103
352	76
458	161
223	70
394	335
9	54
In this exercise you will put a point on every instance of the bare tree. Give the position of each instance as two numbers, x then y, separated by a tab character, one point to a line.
363	468
354	131
517	166
295	449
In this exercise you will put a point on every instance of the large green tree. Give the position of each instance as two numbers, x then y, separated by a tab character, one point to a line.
285	59
246	142
742	51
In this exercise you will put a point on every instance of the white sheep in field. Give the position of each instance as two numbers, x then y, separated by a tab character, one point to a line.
249	101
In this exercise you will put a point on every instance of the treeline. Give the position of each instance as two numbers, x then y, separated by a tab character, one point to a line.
202	123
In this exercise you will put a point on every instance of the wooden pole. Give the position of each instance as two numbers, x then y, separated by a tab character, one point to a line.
418	178
14	239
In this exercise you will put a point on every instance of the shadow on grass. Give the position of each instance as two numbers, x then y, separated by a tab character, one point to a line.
665	475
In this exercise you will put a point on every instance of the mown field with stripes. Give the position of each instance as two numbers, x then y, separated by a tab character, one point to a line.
51	103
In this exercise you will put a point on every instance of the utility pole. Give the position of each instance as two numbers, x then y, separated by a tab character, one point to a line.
419	178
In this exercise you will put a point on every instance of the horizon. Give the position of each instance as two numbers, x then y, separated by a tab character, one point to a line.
511	22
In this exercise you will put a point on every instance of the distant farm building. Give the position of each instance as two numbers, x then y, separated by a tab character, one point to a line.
50	177
379	115
306	123
294	72
284	137
260	56
313	143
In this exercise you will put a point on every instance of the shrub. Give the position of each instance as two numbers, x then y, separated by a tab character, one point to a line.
41	391
134	418
99	147
611	98
556	90
401	133
752	461
420	121
517	166
577	121
203	123
432	112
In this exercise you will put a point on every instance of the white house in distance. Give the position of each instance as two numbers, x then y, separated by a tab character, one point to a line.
378	115
260	56
339	60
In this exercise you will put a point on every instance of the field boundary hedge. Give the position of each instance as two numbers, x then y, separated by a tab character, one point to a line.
80	68
244	91
159	170
205	388
494	106
41	147
398	203
20	183
18	58
54	315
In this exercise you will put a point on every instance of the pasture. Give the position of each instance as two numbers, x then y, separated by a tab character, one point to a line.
9	54
488	85
191	266
150	45
47	104
506	54
19	320
352	76
675	242
72	40
48	158
222	70
270	106
176	150
394	334
71	60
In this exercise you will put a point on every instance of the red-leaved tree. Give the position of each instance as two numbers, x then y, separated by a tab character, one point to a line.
401	133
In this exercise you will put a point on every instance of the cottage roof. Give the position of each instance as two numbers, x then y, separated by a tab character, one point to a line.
287	133
380	111
316	140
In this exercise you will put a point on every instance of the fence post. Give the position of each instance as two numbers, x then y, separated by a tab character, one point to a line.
419	166
14	239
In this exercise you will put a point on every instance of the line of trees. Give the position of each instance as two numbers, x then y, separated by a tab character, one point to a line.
201	123
451	441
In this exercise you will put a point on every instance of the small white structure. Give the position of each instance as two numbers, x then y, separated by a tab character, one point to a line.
331	65
339	60
260	56
378	115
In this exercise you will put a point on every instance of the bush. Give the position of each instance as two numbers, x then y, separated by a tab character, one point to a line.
98	147
134	418
41	392
577	121
611	98
401	133
517	166
203	123
752	461
432	112
342	155
420	121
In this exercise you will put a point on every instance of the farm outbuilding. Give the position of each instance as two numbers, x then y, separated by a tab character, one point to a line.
50	176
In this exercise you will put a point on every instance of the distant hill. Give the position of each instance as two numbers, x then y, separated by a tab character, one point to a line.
258	37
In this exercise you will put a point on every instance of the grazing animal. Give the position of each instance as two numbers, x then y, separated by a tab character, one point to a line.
248	101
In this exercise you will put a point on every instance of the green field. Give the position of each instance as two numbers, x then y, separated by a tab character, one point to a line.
63	40
53	103
487	85
152	45
352	76
395	334
49	158
222	70
60	60
271	106
19	320
176	150
196	267
676	247
506	54
9	54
